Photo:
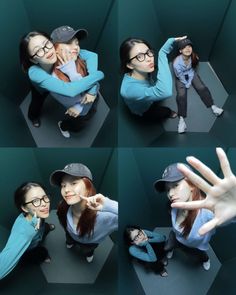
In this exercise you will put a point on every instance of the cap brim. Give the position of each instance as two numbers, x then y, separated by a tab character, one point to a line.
56	177
160	183
81	34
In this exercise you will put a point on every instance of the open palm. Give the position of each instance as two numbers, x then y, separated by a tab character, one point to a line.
220	193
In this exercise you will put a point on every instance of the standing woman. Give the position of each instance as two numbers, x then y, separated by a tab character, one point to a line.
29	229
38	56
140	92
148	247
185	224
88	218
185	71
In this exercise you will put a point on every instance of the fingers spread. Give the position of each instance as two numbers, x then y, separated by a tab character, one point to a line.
204	170
194	178
224	163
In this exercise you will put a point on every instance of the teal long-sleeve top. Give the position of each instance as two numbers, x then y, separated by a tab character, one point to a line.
140	94
144	251
23	236
43	80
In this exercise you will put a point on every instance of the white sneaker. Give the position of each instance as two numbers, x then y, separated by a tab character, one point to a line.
170	254
216	110
69	246
182	125
66	134
89	258
206	265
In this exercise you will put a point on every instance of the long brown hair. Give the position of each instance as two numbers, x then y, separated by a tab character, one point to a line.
195	59
87	219
80	66
187	224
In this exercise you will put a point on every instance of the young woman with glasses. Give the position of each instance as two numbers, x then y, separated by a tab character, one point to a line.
38	57
141	94
148	247
29	229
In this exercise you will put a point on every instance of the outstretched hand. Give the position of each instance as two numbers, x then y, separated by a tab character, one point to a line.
220	193
95	202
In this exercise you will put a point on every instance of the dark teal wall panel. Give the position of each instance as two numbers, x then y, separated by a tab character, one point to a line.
138	19
199	19
223	54
11	121
13	23
47	15
133	202
107	49
17	166
109	185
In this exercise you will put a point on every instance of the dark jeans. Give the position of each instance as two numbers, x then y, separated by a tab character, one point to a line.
38	254
157	266
70	123
156	113
86	249
36	104
200	88
173	243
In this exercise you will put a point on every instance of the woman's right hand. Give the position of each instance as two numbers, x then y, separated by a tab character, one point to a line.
73	112
180	38
32	217
94	202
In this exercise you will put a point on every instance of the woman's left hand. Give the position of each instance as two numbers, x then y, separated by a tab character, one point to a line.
94	202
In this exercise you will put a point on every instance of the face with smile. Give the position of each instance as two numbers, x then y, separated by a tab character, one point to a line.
36	201
146	65
187	50
137	236
72	48
72	188
42	51
180	191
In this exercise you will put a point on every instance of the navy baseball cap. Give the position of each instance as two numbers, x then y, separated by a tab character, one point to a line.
171	174
73	169
183	43
64	34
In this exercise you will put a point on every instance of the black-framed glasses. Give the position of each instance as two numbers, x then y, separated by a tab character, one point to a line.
41	51
141	56
139	235
38	201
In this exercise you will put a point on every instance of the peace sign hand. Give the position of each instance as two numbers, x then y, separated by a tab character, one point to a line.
220	196
94	202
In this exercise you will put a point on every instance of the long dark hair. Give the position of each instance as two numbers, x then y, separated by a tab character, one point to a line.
125	49
23	48
187	224
21	191
127	233
88	217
